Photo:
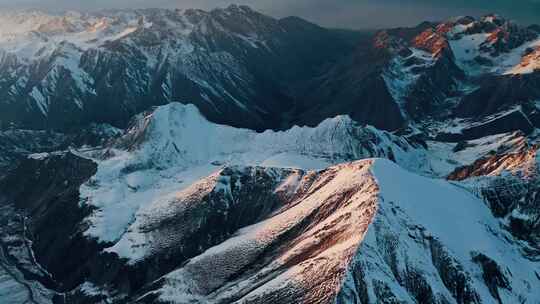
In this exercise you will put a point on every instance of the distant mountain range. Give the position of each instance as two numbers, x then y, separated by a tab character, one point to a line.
245	69
238	66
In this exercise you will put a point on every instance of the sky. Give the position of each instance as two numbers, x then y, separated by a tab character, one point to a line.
357	14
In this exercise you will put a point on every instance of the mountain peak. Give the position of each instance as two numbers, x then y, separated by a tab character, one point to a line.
240	8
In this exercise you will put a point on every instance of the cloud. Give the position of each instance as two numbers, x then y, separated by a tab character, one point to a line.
335	13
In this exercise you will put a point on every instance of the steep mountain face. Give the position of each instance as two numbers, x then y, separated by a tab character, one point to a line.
402	75
238	66
427	263
508	181
437	72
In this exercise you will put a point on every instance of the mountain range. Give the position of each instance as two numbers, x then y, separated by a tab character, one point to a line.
225	156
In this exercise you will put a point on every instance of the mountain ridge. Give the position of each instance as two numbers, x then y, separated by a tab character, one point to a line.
402	168
212	38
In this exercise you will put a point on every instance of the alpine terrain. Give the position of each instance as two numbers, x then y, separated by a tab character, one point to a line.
225	156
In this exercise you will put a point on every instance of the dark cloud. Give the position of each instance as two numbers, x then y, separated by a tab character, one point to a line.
335	13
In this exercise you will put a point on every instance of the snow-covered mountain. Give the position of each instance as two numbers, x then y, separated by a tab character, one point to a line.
411	175
178	143
245	69
437	72
238	66
179	209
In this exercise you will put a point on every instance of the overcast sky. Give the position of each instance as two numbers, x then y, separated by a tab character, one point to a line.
334	13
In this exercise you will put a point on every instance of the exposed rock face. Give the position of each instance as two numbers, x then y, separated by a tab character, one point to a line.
492	274
356	87
508	182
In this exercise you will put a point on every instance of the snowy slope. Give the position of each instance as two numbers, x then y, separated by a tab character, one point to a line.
502	43
316	258
517	61
173	163
416	241
434	242
174	146
174	204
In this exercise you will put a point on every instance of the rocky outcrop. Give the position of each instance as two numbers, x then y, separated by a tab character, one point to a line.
508	182
493	275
